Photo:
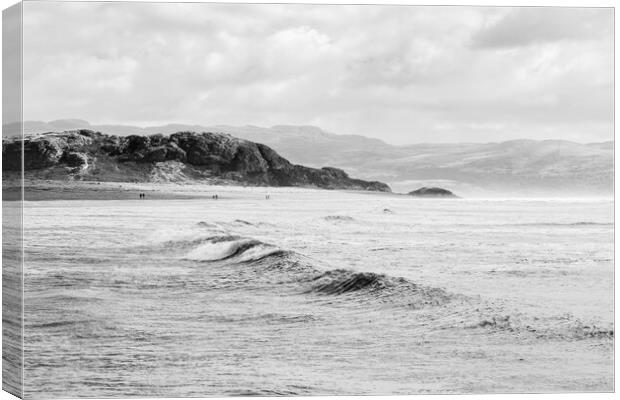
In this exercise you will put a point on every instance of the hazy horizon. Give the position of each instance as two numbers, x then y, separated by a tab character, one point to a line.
174	123
402	74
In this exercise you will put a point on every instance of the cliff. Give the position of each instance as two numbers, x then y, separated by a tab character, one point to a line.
182	156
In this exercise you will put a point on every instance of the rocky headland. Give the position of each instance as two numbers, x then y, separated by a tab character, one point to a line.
86	155
433	192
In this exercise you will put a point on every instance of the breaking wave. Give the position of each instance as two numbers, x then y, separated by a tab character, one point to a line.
271	264
266	264
226	247
380	286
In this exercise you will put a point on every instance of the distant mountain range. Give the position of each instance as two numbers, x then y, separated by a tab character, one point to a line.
517	167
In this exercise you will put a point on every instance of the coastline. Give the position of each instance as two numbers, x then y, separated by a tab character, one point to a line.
91	190
50	190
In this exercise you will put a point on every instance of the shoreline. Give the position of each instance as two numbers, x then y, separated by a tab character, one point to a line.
50	190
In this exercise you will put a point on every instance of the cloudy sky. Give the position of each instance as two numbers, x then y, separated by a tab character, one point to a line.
405	74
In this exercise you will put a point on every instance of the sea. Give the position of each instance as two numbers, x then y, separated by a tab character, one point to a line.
317	292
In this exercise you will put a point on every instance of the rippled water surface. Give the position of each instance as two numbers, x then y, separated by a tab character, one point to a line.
317	292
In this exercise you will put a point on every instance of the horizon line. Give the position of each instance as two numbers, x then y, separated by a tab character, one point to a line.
90	124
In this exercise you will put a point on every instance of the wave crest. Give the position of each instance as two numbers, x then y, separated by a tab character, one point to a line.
396	290
226	247
342	281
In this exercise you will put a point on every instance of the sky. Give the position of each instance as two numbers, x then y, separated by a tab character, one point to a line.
403	74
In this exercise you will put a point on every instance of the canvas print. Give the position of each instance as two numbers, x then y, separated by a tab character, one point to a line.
219	199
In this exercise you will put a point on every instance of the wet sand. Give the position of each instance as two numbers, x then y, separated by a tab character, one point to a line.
42	190
77	190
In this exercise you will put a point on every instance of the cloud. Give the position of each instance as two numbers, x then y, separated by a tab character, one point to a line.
402	74
523	26
11	65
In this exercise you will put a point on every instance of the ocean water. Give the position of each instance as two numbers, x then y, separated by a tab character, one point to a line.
317	293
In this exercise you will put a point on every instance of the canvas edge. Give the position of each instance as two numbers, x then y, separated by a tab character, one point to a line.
12	211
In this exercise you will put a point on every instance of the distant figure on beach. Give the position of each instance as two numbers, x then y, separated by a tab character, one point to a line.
140	195
214	197
267	197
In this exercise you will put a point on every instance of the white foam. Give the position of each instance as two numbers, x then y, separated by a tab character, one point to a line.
215	251
258	252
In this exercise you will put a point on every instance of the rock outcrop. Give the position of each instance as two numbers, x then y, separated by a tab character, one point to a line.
433	192
88	155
